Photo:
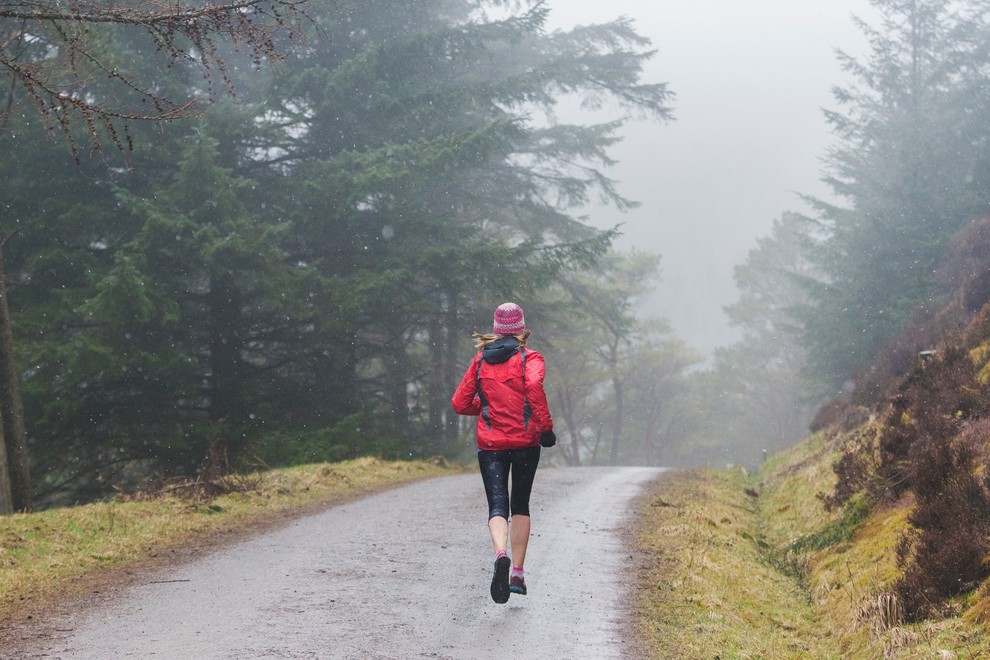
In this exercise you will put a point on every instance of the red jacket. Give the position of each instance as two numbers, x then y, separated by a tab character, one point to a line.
504	425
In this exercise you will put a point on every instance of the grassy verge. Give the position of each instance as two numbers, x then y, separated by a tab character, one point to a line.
707	590
742	566
846	562
56	554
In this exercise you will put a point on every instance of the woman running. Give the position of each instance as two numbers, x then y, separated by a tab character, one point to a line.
503	386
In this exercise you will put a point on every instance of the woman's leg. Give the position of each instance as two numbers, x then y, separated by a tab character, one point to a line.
520	538
495	475
498	527
524	463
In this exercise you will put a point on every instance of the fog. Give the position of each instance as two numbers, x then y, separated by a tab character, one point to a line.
751	81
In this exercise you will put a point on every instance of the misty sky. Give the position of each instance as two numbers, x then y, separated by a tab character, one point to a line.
751	79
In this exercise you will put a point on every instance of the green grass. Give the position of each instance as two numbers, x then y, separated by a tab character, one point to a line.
740	566
707	590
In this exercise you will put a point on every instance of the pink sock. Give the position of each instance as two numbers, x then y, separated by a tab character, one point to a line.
500	553
517	571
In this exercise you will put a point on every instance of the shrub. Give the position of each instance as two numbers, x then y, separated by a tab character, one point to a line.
944	554
854	469
854	513
928	440
353	436
931	435
927	410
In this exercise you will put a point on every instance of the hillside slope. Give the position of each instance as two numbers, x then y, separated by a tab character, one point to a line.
755	566
869	539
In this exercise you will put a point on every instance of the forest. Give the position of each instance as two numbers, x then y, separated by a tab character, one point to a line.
266	241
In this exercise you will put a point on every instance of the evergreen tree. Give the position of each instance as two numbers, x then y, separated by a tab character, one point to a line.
166	353
616	378
422	186
297	278
910	163
86	70
756	401
53	53
54	214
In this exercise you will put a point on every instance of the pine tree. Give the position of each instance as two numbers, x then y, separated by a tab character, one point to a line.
422	184
297	277
616	377
910	167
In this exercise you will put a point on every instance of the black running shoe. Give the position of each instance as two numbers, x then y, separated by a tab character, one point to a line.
500	580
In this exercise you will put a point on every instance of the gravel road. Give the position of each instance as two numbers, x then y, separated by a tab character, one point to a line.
401	574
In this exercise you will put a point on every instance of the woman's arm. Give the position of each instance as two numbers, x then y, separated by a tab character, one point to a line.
535	372
465	400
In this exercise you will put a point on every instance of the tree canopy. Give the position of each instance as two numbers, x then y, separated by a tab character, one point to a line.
910	169
294	276
101	63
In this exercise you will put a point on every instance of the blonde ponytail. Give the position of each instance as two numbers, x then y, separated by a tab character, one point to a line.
483	339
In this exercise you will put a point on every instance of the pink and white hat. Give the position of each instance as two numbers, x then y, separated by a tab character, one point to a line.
509	320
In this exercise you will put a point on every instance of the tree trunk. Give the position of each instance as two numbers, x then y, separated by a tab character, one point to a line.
215	465
620	407
450	372
227	380
6	499
11	406
565	412
225	352
436	395
398	368
397	393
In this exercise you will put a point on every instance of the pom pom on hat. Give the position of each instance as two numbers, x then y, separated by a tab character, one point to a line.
509	320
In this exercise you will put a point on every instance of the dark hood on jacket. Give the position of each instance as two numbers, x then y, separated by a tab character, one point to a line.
500	350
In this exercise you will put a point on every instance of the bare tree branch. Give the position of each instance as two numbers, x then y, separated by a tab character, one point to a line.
56	52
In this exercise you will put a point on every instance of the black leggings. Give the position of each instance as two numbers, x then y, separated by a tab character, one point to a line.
495	468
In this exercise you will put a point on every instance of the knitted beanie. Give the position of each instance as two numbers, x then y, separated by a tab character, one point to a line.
509	320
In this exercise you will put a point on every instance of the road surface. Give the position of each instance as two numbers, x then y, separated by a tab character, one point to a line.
400	574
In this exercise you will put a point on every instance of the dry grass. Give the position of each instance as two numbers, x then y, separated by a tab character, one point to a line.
708	591
56	554
850	583
730	571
